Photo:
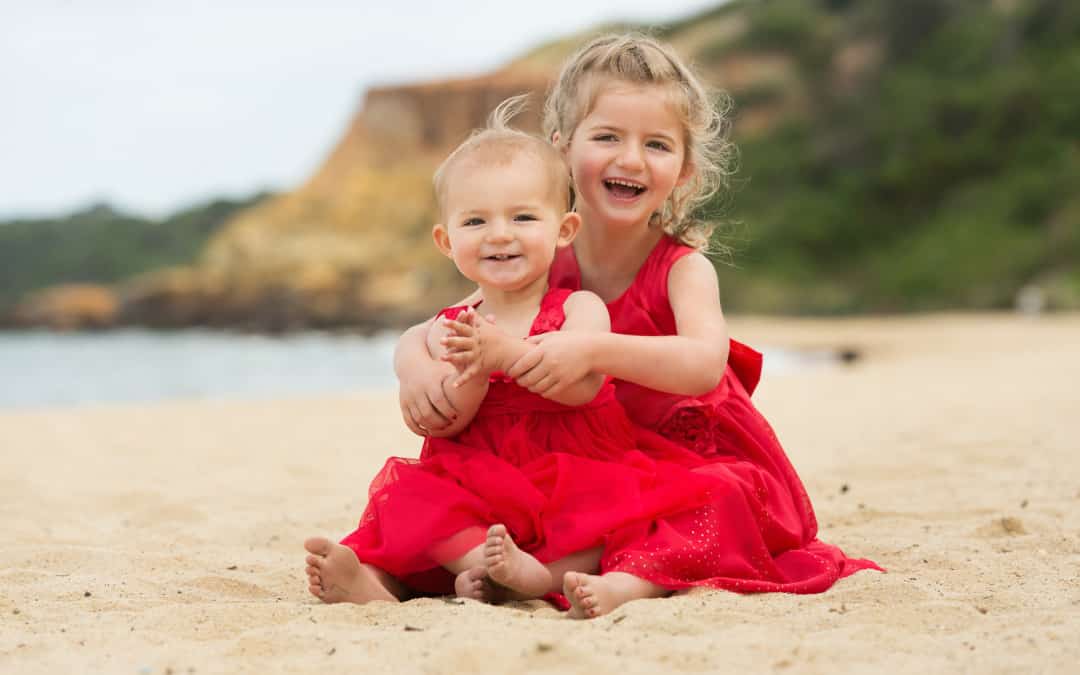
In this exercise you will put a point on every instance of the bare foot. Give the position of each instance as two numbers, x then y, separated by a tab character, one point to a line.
512	568
336	575
591	596
473	583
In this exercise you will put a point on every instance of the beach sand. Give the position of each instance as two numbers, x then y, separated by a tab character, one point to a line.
166	538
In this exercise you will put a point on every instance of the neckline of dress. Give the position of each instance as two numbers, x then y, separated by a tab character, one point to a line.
637	276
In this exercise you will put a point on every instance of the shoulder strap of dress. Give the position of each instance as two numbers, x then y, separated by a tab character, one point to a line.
667	253
552	314
453	312
565	272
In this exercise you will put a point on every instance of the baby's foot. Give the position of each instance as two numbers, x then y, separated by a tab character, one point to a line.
336	575
512	568
585	592
473	583
591	596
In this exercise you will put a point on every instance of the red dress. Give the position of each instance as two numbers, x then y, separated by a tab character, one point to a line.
760	532
561	479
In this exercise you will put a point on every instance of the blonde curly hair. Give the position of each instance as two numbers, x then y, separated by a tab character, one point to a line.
639	59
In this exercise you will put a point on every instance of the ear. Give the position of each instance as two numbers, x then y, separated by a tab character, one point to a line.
442	239
555	138
688	171
568	229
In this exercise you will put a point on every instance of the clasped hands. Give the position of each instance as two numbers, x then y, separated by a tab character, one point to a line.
544	364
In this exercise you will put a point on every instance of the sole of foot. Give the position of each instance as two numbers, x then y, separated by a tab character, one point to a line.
336	575
512	568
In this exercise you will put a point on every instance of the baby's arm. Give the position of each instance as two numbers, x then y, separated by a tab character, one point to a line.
689	363
425	406
479	348
465	398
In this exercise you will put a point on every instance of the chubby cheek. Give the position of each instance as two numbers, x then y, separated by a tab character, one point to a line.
586	170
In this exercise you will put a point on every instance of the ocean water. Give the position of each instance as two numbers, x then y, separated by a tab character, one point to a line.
57	369
42	369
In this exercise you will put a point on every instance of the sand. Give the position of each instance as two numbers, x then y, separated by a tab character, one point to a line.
167	538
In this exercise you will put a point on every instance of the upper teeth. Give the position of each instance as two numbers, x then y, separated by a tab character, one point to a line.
501	256
624	183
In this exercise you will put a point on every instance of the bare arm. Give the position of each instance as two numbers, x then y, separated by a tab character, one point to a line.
586	314
465	398
424	404
689	363
481	348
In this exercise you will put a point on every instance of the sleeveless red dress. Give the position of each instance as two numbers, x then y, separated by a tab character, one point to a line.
562	479
760	532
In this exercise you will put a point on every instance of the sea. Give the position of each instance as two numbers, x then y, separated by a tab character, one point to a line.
44	369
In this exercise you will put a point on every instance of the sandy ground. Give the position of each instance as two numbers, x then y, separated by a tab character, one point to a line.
167	538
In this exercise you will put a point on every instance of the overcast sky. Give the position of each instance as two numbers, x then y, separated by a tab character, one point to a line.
155	105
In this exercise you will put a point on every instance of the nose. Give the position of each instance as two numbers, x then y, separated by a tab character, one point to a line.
630	157
498	230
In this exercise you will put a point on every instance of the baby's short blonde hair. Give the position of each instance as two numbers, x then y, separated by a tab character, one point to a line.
500	144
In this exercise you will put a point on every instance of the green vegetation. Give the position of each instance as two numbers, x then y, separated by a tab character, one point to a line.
949	178
101	245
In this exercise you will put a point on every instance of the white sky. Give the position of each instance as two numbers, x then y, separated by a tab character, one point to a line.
155	105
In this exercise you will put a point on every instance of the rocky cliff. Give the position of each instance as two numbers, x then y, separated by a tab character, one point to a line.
351	246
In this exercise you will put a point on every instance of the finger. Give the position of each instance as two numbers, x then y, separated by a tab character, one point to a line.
456	328
412	420
554	390
442	403
542	385
430	418
529	379
527	362
469	373
459	324
458	343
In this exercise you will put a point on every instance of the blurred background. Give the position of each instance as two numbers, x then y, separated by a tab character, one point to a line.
171	169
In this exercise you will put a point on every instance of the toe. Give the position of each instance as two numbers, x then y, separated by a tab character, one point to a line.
315	561
318	546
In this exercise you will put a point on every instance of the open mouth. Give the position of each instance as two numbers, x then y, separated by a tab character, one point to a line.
502	257
622	188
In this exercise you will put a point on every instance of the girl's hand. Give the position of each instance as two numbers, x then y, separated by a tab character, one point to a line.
424	405
556	361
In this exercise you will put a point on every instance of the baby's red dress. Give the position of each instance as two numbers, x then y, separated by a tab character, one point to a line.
759	534
561	479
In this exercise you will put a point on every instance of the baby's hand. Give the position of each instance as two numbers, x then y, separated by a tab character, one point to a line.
472	345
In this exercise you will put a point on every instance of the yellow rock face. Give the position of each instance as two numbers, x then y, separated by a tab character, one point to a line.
69	307
352	245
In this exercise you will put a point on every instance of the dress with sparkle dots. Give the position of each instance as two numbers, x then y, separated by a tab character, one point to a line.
562	479
759	532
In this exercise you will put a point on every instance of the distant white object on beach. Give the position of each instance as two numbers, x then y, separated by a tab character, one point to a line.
1031	300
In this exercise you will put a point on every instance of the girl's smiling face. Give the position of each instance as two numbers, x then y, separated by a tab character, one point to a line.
627	155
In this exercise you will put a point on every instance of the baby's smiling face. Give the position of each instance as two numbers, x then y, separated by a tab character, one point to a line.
502	222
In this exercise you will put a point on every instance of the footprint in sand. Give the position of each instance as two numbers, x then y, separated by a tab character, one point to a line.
233	588
1007	526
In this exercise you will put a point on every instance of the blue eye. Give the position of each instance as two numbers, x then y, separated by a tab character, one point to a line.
473	221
